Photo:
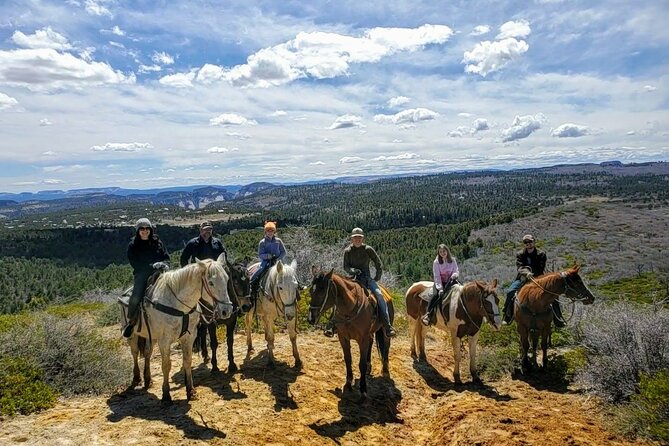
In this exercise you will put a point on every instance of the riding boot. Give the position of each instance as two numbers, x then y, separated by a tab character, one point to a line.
387	328
132	320
330	328
558	320
429	318
508	309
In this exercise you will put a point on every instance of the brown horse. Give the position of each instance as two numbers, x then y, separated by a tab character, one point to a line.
355	318
462	314
533	312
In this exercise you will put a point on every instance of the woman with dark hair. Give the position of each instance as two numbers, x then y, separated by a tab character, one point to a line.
445	272
146	253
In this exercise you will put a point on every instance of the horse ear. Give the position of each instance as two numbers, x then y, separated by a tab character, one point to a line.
222	258
329	275
315	270
279	266
576	268
200	263
493	284
480	284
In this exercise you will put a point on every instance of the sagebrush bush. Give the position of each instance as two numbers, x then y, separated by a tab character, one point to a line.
494	363
72	356
22	389
622	342
109	315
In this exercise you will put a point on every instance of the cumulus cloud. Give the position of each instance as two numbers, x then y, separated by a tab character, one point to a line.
122	147
569	130
179	80
480	30
346	121
406	116
323	55
461	131
238	135
7	101
481	124
222	149
117	31
649	88
43	38
350	159
45	122
231	119
488	57
397	101
317	163
522	127
279	113
97	7
519	28
400	157
162	58
49	153
44	68
150	68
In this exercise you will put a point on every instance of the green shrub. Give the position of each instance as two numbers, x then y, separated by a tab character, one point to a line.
109	315
73	357
74	308
22	389
507	336
9	321
495	363
576	360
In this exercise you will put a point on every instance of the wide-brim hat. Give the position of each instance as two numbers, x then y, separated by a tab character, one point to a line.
528	237
357	232
206	225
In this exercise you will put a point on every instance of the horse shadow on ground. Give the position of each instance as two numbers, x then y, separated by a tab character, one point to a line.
381	407
442	385
279	377
554	379
144	405
221	383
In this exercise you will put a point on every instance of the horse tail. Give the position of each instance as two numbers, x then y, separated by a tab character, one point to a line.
382	345
143	345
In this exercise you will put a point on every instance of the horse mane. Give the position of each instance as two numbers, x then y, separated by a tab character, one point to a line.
176	278
347	283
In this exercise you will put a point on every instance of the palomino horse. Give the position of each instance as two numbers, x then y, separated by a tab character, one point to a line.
277	298
355	319
461	315
239	291
533	312
172	314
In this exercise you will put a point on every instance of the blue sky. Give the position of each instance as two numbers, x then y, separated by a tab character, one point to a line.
143	94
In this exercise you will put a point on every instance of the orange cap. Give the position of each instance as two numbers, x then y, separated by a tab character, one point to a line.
270	225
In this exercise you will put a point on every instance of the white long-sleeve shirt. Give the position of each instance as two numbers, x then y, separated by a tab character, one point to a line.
443	272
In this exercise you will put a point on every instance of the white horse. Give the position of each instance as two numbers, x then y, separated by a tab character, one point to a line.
277	298
179	298
462	314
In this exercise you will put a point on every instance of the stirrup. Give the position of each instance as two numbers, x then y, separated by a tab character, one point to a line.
426	319
329	332
389	331
128	329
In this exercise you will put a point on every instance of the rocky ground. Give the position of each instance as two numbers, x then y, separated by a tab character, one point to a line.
419	405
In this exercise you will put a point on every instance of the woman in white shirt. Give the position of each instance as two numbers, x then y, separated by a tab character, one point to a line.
445	272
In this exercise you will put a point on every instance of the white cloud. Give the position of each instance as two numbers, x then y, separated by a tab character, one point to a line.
346	121
278	113
461	131
162	58
465	115
45	122
481	124
520	28
231	119
397	101
43	38
238	135
488	57
222	149
46	68
480	30
649	88
569	130
410	115
122	147
96	7
49	153
150	68
7	101
179	80
400	157
523	126
317	163
350	159
117	31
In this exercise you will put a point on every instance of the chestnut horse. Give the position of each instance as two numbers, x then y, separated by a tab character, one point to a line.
461	314
533	312
355	319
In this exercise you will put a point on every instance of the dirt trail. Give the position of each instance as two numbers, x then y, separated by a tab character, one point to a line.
283	406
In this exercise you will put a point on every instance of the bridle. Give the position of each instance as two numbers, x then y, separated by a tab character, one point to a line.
482	305
281	309
206	306
581	297
360	305
321	308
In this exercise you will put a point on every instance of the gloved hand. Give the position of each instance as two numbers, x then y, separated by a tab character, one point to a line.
161	265
356	271
441	294
525	273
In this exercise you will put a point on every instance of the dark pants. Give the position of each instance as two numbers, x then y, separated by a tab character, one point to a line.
439	297
138	290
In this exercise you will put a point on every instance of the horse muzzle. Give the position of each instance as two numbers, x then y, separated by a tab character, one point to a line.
223	311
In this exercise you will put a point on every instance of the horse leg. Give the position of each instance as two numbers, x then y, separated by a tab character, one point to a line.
201	340
248	324
346	347
456	343
164	345
230	339
524	348
269	338
148	350
213	338
422	331
544	347
292	333
134	350
472	358
365	345
187	354
534	340
413	337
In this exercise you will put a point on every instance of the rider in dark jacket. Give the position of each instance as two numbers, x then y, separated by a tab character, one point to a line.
204	246
146	253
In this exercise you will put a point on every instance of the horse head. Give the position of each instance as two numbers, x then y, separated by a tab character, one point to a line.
283	283
239	285
215	287
575	289
319	291
490	302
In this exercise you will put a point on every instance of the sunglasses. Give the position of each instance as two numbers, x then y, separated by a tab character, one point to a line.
528	242
144	228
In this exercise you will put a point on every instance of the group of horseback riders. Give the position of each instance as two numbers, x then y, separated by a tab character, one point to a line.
147	253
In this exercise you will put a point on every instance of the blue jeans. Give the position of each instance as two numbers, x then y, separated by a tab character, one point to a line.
383	305
513	288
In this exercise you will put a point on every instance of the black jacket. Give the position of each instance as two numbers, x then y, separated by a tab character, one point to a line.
536	261
198	248
143	254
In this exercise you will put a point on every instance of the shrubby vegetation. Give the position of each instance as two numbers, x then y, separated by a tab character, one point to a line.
22	387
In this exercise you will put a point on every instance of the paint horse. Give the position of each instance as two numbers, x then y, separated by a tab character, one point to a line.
172	314
277	297
355	318
533	312
240	295
461	314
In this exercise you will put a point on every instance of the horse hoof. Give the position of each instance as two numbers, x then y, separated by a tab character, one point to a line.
166	402
386	373
147	384
270	364
348	387
414	356
215	369
232	368
191	396
456	378
205	360
134	383
298	365
422	357
363	397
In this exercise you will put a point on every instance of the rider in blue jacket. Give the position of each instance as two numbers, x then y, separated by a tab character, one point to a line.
270	249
